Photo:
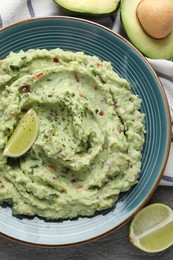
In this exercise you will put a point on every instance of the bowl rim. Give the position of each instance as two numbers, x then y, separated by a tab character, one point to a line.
155	185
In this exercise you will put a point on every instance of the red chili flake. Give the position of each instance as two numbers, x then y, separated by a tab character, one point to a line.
51	166
56	60
73	180
38	75
95	87
76	77
25	87
101	113
78	187
81	95
99	64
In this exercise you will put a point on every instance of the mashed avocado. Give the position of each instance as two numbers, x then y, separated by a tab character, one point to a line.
90	139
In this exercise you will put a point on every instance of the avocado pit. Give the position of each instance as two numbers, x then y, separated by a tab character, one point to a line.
155	17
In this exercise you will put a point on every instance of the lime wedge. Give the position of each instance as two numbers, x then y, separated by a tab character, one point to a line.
151	230
23	136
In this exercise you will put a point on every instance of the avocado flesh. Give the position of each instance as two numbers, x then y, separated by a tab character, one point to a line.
96	7
152	48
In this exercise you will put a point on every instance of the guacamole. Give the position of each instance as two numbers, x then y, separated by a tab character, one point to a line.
91	134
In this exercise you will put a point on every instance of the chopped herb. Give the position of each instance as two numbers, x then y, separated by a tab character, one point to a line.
14	68
115	105
34	166
23	110
130	165
65	170
52	196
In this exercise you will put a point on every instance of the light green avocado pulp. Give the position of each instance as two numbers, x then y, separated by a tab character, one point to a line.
89	6
152	48
90	138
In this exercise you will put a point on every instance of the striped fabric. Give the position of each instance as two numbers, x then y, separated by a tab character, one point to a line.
15	10
30	8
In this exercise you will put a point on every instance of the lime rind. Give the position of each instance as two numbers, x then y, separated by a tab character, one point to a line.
152	237
23	136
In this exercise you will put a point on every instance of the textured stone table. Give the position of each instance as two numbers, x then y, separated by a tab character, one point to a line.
111	247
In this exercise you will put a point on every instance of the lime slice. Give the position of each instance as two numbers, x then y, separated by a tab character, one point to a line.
23	136
151	230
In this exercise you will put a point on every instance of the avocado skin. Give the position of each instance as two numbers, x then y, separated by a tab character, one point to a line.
85	14
148	46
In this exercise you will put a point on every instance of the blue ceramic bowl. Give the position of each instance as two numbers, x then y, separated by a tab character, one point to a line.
81	35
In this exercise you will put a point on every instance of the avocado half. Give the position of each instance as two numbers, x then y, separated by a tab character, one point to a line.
150	47
94	7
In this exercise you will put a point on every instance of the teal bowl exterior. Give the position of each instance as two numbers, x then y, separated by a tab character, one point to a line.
81	35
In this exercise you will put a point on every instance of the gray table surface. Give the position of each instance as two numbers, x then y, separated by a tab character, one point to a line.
111	247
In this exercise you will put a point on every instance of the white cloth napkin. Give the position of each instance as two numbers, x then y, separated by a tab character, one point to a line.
16	10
